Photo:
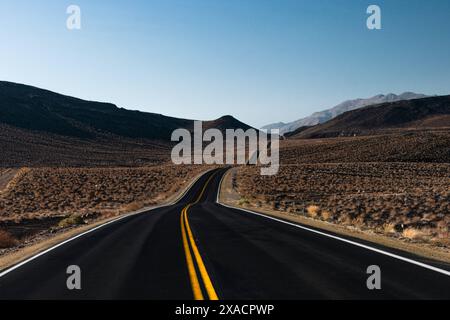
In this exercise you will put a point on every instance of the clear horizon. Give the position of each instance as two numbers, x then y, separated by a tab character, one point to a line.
260	61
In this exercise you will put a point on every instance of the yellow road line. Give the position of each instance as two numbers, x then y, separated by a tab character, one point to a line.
190	264
196	289
203	190
201	266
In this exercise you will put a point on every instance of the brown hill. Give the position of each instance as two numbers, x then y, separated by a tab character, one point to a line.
225	122
426	113
296	132
40	127
36	109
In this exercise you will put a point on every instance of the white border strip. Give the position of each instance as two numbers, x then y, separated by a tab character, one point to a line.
392	255
18	265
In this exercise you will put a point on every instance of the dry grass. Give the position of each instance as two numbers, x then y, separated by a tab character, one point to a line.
313	211
406	146
73	220
6	240
37	200
43	192
326	215
391	198
412	233
389	228
24	148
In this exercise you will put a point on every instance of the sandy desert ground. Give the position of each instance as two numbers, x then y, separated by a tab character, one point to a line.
42	200
394	184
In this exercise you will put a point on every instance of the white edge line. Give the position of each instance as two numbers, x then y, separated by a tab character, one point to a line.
18	265
392	255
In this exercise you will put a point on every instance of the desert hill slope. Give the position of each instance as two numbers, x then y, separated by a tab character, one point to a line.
36	109
39	128
425	113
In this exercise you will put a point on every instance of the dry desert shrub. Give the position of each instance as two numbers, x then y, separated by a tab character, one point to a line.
443	230
73	220
6	240
326	215
243	201
412	233
389	228
384	197
63	191
14	180
313	211
132	207
419	146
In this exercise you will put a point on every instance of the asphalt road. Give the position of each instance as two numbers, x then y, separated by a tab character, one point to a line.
198	249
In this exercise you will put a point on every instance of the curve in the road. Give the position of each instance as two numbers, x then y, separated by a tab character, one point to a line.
199	249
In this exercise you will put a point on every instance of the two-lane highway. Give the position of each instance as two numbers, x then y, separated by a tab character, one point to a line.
198	249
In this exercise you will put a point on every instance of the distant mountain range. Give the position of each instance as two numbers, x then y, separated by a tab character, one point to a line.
326	115
43	128
404	115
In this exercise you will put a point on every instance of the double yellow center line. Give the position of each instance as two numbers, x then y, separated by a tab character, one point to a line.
188	244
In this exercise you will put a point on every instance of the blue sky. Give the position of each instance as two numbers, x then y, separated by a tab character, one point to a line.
260	60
